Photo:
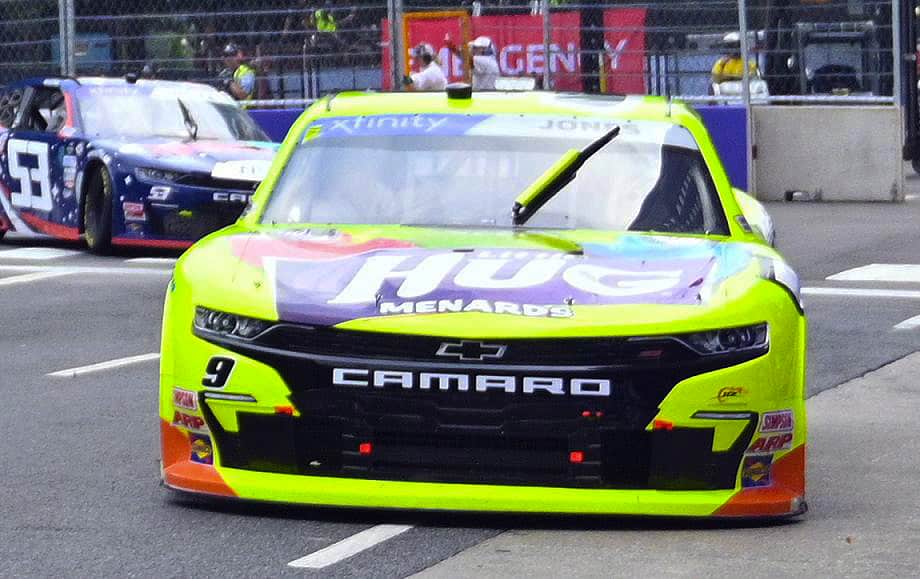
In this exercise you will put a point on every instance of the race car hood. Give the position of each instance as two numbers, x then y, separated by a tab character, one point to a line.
389	279
191	156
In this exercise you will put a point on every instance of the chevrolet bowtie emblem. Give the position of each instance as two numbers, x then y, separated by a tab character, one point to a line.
470	351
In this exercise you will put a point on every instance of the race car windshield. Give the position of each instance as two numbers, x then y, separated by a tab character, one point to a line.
138	115
471	180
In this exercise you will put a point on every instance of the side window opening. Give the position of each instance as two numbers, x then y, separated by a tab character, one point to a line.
47	111
10	99
684	199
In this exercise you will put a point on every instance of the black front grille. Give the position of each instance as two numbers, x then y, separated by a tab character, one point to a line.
529	351
196	224
491	436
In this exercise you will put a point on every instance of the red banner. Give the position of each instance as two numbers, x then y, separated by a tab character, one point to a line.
518	42
624	51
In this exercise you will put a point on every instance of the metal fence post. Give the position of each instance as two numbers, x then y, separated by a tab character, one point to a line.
897	56
397	51
746	92
66	36
547	44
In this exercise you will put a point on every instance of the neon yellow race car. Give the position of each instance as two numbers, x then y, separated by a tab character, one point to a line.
524	302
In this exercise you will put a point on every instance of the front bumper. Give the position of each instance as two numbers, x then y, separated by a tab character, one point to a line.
700	448
188	212
784	498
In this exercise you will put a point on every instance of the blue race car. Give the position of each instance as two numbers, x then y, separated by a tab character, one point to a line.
125	161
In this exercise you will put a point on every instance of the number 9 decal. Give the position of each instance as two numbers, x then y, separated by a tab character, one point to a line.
217	372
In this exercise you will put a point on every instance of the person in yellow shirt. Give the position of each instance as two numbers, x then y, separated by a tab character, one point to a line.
730	67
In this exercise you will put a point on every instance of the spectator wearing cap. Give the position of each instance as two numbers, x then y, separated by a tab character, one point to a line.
482	62
731	66
239	76
429	77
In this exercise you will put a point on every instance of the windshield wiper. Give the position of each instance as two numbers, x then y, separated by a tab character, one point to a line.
555	178
190	125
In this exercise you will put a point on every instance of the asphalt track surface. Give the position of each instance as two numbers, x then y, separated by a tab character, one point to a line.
78	485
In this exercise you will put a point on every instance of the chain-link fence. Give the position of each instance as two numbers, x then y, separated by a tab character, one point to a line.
690	49
297	49
29	39
304	48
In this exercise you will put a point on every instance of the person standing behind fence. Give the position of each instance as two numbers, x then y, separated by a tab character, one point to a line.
731	67
324	20
429	77
482	62
239	78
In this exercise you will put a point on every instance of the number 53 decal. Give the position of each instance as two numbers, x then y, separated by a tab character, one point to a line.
27	176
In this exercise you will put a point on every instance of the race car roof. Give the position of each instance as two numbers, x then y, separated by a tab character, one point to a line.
141	86
524	114
530	102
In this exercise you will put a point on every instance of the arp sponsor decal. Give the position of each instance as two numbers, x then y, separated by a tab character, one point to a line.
185	399
755	471
779	421
202	451
731	395
771	443
189	421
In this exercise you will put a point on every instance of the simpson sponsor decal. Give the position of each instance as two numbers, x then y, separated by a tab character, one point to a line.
777	421
185	399
513	282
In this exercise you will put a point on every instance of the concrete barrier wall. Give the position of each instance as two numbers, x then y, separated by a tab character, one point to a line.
831	153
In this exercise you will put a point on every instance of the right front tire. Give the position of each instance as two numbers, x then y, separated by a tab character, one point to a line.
97	212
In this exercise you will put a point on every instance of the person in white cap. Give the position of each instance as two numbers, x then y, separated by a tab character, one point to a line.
484	63
429	77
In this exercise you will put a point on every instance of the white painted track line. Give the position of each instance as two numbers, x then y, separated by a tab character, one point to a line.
40	253
72	372
88	269
893	272
153	260
909	324
349	546
860	292
30	277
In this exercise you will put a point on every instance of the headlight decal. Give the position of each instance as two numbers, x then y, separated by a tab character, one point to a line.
151	174
227	324
728	340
